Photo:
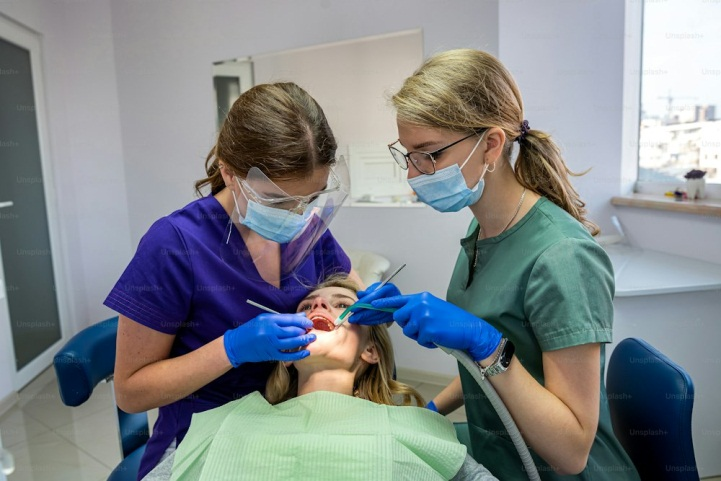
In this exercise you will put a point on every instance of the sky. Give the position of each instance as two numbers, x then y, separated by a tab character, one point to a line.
681	55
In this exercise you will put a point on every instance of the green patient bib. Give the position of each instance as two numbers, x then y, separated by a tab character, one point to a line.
319	436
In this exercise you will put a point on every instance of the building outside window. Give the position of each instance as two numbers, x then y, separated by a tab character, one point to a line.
680	119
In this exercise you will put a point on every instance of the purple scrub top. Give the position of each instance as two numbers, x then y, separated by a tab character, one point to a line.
186	281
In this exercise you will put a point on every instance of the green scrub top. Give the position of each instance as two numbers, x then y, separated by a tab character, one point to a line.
545	284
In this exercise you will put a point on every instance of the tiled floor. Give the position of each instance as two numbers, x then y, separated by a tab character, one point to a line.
52	442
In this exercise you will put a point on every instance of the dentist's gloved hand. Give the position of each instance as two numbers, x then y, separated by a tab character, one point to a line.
430	321
265	337
369	317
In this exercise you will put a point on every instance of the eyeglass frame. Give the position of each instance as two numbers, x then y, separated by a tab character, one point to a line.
408	158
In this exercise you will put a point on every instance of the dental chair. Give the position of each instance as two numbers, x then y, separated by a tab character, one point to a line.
86	360
651	400
370	266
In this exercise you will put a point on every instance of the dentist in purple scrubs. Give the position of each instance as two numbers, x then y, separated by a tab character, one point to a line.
187	339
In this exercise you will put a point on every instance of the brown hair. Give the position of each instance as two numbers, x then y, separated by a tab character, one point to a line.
278	128
374	382
467	90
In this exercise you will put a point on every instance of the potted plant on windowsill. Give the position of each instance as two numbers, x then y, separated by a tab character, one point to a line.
695	184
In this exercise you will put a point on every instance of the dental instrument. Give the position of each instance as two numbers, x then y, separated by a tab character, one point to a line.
261	306
346	313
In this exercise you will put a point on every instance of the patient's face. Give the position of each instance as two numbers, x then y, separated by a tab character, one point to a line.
341	347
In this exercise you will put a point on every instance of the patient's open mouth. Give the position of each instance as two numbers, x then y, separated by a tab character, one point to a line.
322	323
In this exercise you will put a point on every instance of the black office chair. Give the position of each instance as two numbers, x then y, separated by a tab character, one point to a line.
651	400
86	360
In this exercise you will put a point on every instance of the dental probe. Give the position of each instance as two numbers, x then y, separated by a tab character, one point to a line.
261	306
346	313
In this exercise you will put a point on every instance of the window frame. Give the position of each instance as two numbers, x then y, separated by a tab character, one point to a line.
631	118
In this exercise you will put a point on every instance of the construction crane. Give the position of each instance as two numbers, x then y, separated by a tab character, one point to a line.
669	103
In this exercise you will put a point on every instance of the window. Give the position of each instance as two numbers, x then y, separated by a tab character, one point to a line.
680	118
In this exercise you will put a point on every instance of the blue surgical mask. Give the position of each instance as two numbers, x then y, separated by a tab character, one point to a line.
446	190
278	225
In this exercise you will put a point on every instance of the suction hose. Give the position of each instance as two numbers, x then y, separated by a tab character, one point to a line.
500	408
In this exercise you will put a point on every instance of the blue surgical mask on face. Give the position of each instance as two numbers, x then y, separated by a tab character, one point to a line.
278	225
275	224
446	190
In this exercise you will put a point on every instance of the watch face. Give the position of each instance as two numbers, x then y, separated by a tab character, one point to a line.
507	354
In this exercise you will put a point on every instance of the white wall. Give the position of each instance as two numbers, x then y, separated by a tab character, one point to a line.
567	58
85	147
351	81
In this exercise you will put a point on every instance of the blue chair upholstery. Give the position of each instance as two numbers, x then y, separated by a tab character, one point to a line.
651	400
86	360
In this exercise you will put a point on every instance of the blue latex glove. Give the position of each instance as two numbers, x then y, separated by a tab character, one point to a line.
368	317
432	406
265	337
431	321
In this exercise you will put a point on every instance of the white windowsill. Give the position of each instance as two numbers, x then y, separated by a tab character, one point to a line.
708	207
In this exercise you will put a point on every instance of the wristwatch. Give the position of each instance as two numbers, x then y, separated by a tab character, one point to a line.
501	362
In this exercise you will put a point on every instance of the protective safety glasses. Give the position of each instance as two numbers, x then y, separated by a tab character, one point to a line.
258	188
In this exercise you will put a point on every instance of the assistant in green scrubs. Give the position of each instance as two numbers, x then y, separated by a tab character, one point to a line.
546	284
531	295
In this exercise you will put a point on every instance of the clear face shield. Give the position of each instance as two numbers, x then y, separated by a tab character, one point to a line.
279	230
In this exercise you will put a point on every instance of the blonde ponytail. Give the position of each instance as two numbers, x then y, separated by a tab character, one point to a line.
540	168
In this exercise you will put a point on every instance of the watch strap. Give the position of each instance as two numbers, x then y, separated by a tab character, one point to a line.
495	366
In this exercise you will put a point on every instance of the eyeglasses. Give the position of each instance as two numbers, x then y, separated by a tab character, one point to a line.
425	162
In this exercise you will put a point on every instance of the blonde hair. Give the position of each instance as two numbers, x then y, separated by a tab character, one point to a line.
468	90
278	128
374	382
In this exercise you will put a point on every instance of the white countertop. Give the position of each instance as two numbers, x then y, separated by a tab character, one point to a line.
642	272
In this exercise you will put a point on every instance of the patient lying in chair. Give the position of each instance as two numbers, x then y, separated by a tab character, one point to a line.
336	415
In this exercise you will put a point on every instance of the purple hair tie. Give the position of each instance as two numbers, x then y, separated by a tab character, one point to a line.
524	130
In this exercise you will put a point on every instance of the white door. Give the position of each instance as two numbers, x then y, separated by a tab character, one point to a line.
29	247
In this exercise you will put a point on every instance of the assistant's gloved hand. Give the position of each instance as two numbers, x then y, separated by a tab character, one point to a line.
430	321
369	317
264	337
